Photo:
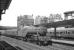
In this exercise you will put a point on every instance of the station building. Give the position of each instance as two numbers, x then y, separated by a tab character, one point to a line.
25	20
40	20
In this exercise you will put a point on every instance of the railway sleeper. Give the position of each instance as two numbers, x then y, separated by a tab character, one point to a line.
6	46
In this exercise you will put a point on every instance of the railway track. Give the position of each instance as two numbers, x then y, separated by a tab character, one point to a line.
51	47
22	44
60	47
63	42
6	46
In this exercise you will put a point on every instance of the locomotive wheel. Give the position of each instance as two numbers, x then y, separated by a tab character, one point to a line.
38	43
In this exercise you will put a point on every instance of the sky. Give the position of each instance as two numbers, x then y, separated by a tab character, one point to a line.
35	7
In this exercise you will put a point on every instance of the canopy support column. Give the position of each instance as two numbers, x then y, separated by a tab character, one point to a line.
55	32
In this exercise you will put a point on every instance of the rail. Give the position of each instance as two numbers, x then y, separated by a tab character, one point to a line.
6	46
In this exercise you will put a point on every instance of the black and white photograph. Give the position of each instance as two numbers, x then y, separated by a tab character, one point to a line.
36	25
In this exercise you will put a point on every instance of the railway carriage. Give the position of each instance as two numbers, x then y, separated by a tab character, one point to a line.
62	33
10	33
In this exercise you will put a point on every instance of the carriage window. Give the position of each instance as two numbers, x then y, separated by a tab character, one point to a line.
57	32
68	32
64	32
73	32
61	32
51	32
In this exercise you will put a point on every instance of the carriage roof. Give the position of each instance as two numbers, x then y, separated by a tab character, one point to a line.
61	29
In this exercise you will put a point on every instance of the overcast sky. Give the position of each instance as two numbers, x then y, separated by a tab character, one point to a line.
35	7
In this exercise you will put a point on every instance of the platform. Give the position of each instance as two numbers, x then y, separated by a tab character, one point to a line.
63	41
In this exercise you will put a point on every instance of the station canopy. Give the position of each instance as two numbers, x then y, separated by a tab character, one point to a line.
69	12
58	24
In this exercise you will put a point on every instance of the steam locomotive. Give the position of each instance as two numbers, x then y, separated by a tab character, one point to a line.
35	34
31	34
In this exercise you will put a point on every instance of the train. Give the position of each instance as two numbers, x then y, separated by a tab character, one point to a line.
9	32
35	34
61	32
39	35
31	34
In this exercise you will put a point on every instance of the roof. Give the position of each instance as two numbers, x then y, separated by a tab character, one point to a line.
59	23
68	12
